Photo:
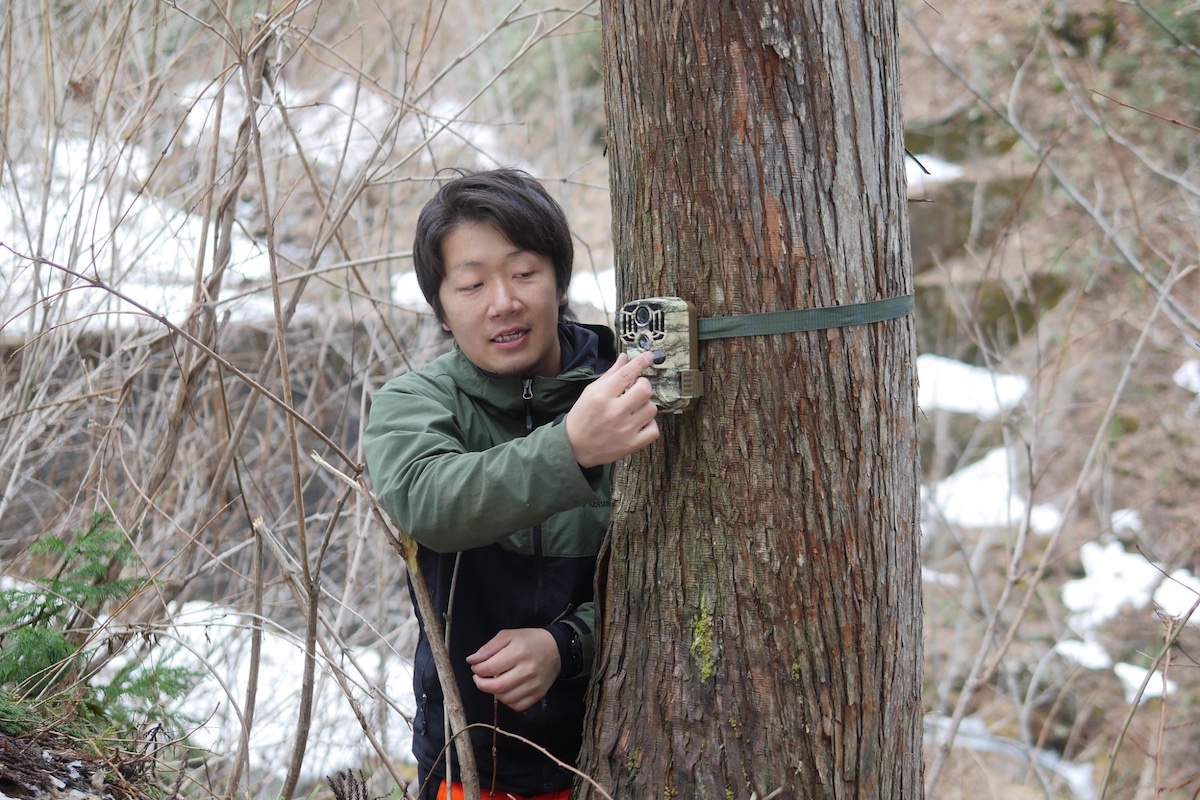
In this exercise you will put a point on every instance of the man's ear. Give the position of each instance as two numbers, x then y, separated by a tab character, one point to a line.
562	299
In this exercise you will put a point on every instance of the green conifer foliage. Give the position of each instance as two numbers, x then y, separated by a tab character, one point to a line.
41	666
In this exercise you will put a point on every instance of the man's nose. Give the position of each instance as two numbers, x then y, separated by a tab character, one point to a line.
504	300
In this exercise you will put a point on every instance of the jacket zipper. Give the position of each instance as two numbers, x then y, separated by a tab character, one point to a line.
527	396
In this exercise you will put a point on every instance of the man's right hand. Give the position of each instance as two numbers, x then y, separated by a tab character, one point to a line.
614	416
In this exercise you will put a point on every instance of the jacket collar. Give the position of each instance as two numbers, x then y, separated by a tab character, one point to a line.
587	351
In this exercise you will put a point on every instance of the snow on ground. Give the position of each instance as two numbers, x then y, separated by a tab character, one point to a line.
1088	652
973	735
1188	377
1177	596
216	641
935	170
94	221
951	385
1127	520
986	494
406	292
1114	580
597	289
1132	677
91	215
339	127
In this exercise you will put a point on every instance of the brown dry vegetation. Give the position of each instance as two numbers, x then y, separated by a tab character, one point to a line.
1077	122
1093	107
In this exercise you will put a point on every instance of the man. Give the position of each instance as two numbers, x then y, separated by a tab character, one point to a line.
494	458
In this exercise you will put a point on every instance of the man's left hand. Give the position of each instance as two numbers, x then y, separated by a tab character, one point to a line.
518	666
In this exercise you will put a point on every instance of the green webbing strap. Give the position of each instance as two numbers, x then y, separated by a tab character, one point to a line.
807	319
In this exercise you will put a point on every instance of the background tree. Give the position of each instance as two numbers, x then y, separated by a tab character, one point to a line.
762	618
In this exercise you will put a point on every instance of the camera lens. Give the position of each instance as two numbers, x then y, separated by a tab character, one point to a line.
644	342
641	316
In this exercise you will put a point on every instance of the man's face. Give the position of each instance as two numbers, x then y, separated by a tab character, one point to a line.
500	302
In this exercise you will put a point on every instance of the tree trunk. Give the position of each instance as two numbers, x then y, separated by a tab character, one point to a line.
761	632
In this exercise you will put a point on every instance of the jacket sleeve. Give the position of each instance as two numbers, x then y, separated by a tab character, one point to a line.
449	498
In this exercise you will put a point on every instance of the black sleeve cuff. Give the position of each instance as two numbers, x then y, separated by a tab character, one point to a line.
569	649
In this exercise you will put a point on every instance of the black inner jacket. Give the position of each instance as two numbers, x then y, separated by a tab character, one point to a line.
496	589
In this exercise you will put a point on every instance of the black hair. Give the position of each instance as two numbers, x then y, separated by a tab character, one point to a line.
510	199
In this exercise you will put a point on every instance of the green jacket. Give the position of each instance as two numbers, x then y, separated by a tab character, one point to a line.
478	470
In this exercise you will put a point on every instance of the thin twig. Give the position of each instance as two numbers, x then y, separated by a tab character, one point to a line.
1148	113
225	363
1172	637
407	548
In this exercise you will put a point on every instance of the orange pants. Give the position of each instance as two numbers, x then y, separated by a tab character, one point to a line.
456	793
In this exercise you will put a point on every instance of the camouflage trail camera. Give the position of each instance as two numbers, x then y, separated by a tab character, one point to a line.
667	327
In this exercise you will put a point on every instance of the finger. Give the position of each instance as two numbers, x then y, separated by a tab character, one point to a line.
627	374
493	667
616	367
640	390
650	432
507	684
517	696
517	705
516	699
489	649
643	430
523	699
637	400
627	366
492	686
638	364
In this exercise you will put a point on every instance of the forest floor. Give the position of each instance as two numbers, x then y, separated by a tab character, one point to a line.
1094	105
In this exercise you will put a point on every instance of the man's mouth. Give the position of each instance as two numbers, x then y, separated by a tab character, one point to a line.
511	336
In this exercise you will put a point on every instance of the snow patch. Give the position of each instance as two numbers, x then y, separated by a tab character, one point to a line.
1132	677
1178	595
1114	580
951	385
939	171
132	249
985	495
1087	653
216	641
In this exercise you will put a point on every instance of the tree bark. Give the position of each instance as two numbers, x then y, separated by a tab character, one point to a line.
761	605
